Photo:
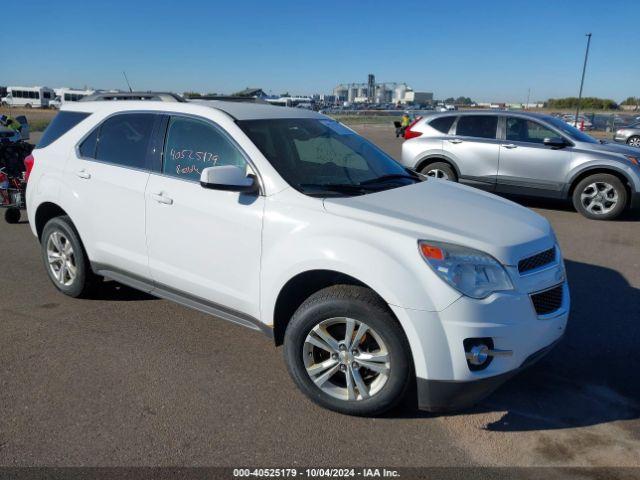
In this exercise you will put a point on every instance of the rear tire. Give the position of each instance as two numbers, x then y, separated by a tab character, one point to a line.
441	170
600	197
634	141
28	105
367	370
65	259
12	215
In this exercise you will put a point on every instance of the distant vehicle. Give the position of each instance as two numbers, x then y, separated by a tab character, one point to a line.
118	96
582	124
64	95
28	97
526	154
629	135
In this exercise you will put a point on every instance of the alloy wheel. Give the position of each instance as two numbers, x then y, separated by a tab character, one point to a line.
346	359
599	198
634	142
61	257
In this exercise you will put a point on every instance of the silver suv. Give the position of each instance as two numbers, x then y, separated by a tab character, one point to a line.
526	154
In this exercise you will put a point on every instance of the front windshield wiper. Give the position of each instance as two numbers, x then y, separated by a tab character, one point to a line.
390	176
342	188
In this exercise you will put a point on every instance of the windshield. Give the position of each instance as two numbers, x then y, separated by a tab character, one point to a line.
323	157
570	130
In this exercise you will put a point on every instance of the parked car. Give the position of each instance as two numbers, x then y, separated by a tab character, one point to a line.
629	135
583	123
526	154
287	222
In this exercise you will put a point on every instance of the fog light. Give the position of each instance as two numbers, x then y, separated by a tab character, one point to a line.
480	352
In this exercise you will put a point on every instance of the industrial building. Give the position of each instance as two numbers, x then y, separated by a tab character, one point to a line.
380	93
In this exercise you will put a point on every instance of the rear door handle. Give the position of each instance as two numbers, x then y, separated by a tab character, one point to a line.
455	140
162	198
510	145
83	174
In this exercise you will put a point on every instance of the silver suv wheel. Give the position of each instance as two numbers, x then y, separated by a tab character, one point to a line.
437	173
634	142
61	257
346	358
599	198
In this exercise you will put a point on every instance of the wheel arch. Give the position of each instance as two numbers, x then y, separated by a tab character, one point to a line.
300	287
45	212
581	175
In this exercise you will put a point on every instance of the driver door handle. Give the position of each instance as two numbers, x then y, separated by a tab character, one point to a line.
83	174
509	145
162	198
455	140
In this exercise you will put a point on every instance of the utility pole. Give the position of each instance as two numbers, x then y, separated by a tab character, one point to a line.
584	68
526	105
127	80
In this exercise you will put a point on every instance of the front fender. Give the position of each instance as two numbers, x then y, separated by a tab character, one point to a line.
631	173
388	262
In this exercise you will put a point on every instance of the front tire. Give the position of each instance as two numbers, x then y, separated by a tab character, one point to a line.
65	259
634	141
441	170
600	197
347	352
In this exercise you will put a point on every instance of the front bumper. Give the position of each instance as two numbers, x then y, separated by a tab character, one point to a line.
444	396
445	380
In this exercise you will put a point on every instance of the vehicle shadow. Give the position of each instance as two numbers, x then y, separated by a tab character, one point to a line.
588	378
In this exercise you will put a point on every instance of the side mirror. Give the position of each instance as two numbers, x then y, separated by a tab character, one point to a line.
229	178
556	142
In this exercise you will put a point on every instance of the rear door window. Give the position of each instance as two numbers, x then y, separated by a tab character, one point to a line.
442	124
61	124
481	126
124	139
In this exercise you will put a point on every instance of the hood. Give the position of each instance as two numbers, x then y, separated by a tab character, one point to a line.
612	148
450	212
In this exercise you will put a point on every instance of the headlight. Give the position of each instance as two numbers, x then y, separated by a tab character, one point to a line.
471	272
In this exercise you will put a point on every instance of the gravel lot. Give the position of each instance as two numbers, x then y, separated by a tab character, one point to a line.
126	379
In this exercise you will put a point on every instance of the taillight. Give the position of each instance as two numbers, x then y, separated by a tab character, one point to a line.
28	163
408	133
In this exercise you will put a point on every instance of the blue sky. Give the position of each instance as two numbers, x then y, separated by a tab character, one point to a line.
488	50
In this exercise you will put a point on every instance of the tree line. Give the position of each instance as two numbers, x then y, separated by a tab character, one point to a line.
594	103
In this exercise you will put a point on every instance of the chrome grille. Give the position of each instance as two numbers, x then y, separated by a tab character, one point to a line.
547	301
536	261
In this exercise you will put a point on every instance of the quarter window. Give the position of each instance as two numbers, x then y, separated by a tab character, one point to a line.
124	138
442	124
192	145
521	130
88	146
482	126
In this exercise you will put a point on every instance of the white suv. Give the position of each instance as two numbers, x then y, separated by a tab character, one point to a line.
287	222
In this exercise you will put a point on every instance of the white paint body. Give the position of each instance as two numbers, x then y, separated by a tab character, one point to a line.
241	254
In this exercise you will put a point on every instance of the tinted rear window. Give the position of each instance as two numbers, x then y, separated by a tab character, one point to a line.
124	138
61	124
442	124
483	126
